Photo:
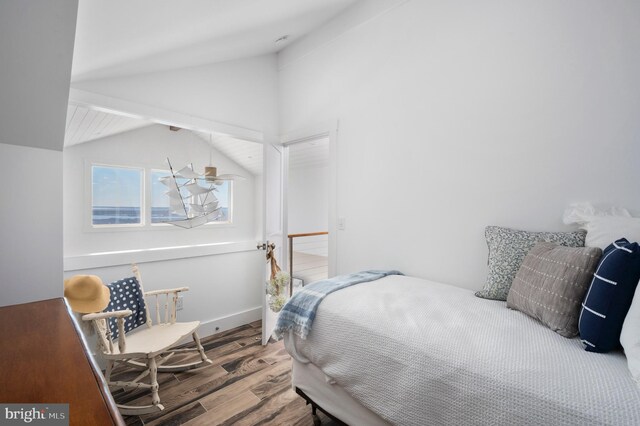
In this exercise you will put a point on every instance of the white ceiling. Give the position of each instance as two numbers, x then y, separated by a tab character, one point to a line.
313	153
84	124
123	37
120	37
246	154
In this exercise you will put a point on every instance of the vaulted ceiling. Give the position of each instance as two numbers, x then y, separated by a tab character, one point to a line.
86	124
115	38
124	37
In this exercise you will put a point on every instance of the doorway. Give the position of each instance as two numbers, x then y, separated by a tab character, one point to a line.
308	192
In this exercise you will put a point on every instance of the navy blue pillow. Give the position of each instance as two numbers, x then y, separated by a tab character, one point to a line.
609	297
126	294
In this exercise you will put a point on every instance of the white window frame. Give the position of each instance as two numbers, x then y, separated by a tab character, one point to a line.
146	201
143	215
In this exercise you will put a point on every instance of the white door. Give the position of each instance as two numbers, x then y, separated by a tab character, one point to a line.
273	225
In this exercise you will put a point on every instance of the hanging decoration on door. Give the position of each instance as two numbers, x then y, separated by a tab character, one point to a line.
191	195
278	282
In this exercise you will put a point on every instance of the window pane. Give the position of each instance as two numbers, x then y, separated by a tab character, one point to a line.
116	195
223	194
161	210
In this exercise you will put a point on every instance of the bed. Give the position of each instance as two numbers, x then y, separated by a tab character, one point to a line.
403	350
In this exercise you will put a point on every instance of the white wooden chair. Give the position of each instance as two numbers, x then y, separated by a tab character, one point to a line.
149	347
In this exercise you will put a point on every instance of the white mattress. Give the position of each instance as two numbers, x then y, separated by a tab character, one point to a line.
417	352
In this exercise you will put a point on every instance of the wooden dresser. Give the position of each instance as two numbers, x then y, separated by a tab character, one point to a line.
44	359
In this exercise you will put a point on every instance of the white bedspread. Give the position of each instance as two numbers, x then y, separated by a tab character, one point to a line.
417	352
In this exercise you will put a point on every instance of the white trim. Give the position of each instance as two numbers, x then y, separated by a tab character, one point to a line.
208	328
310	132
111	105
315	131
146	202
125	257
143	198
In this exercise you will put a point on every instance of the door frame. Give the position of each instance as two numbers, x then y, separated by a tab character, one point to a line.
316	131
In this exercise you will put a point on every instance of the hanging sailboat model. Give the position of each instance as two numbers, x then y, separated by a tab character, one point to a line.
191	195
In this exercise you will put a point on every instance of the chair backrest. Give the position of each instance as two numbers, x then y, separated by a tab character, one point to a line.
127	294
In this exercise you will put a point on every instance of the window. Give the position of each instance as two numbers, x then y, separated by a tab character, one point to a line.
116	195
162	212
160	209
223	194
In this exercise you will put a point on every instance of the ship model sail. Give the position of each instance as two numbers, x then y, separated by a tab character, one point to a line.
192	195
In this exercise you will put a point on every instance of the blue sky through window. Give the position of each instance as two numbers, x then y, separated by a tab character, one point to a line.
116	187
116	195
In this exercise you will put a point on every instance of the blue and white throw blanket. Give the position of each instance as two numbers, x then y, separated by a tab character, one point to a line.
300	311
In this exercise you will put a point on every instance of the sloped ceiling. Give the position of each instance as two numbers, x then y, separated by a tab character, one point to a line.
313	153
124	37
246	154
85	124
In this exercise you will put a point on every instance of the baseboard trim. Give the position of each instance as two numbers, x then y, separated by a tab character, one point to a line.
217	325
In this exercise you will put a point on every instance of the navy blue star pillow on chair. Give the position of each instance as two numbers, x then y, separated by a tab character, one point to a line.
126	294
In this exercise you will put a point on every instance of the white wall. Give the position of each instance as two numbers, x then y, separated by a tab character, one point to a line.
308	199
308	207
148	147
36	46
224	283
30	224
458	115
241	93
224	290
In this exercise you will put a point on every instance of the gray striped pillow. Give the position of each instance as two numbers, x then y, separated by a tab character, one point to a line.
551	283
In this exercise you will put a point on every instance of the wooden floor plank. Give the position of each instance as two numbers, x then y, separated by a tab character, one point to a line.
295	412
196	393
218	398
179	416
264	411
240	403
179	394
279	354
248	384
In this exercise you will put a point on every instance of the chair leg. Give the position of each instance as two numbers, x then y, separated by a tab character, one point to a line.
109	369
196	339
153	374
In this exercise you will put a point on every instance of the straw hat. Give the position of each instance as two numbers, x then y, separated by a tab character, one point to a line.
86	293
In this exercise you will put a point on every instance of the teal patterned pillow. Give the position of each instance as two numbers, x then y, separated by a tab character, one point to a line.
507	249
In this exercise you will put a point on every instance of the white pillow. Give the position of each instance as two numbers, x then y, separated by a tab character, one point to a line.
630	336
603	230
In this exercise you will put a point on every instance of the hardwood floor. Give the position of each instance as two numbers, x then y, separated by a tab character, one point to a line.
248	384
310	267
